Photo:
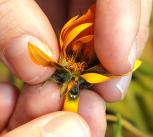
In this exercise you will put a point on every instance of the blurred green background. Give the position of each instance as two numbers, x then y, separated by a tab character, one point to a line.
132	117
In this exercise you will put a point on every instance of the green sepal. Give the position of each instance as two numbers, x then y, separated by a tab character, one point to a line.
83	84
62	77
96	69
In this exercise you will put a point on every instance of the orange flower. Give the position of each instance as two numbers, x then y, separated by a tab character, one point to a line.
78	66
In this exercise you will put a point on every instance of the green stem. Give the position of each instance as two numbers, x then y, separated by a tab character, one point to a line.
127	126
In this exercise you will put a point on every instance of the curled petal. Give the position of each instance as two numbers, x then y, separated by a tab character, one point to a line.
88	17
66	26
75	32
95	78
85	39
80	43
40	56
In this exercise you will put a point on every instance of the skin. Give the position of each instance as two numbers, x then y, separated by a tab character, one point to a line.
40	103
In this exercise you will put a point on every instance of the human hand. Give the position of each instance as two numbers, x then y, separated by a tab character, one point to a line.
28	23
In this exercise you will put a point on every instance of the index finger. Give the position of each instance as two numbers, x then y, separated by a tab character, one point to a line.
116	26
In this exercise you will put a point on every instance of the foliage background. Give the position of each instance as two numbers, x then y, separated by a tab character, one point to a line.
133	116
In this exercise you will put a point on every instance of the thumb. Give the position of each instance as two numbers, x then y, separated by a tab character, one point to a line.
58	124
22	21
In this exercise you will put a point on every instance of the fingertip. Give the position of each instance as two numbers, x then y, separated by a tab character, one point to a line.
17	57
115	89
92	108
8	97
65	124
35	101
26	21
116	27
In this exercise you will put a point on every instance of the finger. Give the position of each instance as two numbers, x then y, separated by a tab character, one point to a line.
116	26
35	101
79	7
142	36
92	109
8	97
58	124
22	22
56	12
113	90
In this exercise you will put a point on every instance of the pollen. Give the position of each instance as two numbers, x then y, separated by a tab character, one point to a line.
75	66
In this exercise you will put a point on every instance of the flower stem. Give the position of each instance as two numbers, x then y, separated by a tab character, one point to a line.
127	125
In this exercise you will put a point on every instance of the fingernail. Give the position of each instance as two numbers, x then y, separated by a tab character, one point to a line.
132	55
17	57
123	84
65	126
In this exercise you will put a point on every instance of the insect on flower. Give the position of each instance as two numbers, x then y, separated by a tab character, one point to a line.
78	66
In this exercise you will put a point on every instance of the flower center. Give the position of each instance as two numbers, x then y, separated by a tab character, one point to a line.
75	66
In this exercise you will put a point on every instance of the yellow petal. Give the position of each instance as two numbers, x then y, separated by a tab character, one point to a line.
94	78
66	26
80	43
88	17
71	105
75	32
69	22
41	56
85	39
137	65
